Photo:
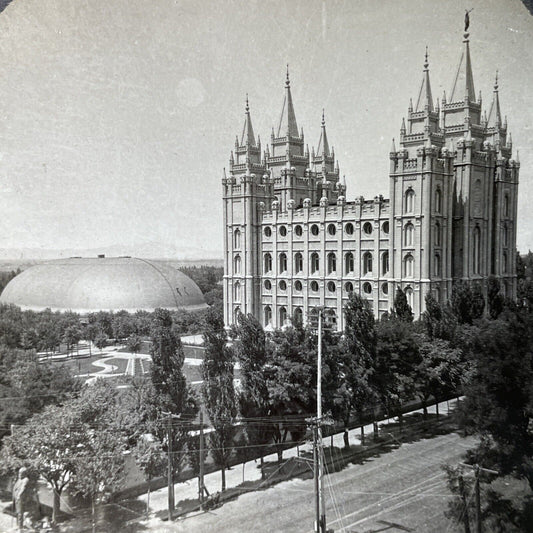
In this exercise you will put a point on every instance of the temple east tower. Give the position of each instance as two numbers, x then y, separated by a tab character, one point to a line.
293	241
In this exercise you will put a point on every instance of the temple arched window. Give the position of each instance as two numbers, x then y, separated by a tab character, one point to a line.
237	238
476	251
267	315
237	264
298	262
408	266
297	316
385	263
410	201
315	263
267	263
438	200
237	291
332	263
282	316
282	262
438	235
348	263
437	266
408	232
367	263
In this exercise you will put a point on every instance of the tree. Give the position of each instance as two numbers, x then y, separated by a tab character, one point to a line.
251	352
152	460
218	391
46	444
397	356
291	378
402	309
99	467
72	336
467	302
100	341
134	343
438	372
498	403
495	301
30	385
172	393
357	361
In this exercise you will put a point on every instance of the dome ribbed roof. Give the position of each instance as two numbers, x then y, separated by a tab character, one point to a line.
103	284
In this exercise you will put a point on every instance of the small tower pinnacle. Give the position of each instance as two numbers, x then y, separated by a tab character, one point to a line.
495	117
425	98
323	145
287	123
248	137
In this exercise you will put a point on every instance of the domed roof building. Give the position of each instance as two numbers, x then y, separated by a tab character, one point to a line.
86	285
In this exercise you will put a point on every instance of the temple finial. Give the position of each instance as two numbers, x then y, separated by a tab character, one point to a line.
496	82
426	62
323	119
287	80
247	104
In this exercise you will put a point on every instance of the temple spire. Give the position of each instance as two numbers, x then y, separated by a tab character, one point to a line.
463	85
495	116
425	98
287	123
248	137
323	145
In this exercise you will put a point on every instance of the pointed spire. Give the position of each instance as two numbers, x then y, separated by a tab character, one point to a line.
393	147
495	116
248	137
287	122
425	98
463	85
479	99
323	145
443	98
410	105
402	129
510	142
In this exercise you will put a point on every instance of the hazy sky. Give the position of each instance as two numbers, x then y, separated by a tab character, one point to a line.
117	116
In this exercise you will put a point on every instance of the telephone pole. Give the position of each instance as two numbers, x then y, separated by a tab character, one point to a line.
201	487
317	320
477	471
170	469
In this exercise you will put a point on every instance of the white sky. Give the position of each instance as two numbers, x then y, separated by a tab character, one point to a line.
117	117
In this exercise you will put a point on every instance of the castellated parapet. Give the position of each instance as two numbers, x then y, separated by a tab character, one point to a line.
293	241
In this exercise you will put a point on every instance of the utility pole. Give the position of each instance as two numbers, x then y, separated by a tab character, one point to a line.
322	522
477	471
317	320
201	487
170	471
478	499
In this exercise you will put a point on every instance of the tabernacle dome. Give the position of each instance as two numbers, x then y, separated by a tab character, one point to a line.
87	285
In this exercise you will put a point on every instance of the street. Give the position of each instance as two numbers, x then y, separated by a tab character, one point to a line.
403	490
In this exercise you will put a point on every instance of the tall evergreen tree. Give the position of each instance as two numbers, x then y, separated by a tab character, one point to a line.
467	302
172	393
218	390
251	352
402	309
359	346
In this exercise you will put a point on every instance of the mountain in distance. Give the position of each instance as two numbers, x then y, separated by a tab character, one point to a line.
147	250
